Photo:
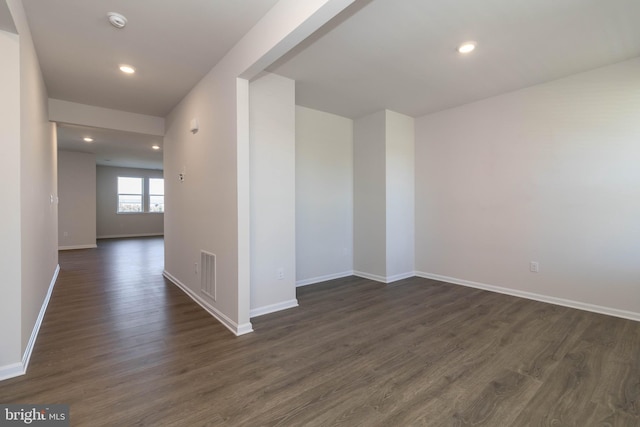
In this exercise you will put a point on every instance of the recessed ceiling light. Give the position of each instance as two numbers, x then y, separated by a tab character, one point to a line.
467	47
155	147
128	69
87	139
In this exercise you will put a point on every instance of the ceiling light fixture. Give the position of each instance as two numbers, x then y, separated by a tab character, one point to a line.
117	20
87	139
467	47
128	69
155	147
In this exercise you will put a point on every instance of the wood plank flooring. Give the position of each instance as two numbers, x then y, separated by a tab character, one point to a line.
124	347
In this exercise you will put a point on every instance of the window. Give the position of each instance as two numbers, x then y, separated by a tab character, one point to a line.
133	191
130	195
156	195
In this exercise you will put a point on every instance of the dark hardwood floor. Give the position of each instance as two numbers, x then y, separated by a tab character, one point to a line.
125	347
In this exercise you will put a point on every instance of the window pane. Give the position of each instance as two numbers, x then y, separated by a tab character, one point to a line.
129	185
129	203
156	203
156	186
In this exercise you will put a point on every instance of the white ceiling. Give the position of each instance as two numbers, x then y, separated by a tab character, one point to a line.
401	54
172	44
394	54
111	147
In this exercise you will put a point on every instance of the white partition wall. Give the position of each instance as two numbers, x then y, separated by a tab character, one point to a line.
29	243
400	195
272	197
77	200
209	210
324	196
10	354
384	196
369	202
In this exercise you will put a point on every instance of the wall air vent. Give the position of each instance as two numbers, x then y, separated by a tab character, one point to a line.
208	274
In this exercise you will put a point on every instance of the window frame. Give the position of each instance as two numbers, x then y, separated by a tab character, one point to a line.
148	199
141	195
145	195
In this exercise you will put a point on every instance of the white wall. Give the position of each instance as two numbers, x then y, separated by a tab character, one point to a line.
400	189
29	153
369	184
77	200
38	173
10	240
547	174
384	196
109	223
273	221
324	196
210	209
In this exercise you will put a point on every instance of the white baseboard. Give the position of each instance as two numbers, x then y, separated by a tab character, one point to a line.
11	371
245	328
73	247
238	330
123	236
401	276
373	277
20	368
255	312
319	279
382	279
36	328
536	297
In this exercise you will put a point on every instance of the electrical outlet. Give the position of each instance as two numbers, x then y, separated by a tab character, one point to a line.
280	273
196	267
534	267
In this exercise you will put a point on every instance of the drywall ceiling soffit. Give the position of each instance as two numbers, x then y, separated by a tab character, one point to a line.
172	45
401	55
111	147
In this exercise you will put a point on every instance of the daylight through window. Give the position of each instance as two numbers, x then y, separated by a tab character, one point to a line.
156	195
130	195
140	195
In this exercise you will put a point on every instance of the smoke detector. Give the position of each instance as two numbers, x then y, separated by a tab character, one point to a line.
117	20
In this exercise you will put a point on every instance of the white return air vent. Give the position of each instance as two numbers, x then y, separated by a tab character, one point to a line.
208	274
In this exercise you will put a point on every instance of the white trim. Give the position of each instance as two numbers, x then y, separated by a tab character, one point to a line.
391	279
121	236
255	312
70	248
244	328
536	297
243	199
319	279
20	368
238	330
11	371
36	328
382	279
373	277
